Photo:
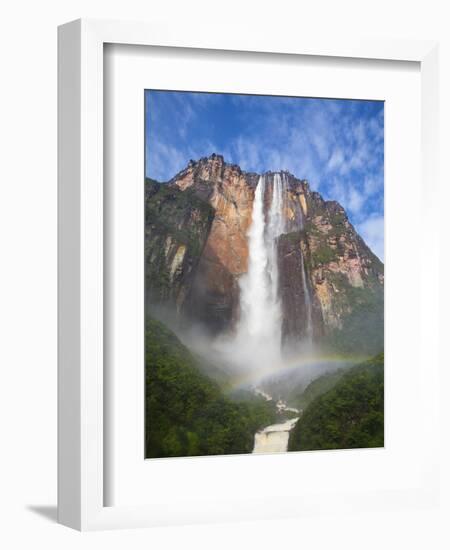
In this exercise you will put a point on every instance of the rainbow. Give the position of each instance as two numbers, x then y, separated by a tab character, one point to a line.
292	364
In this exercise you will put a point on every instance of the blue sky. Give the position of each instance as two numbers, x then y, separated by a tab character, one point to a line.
337	145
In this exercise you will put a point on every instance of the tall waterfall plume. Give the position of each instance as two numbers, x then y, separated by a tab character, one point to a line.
258	336
259	328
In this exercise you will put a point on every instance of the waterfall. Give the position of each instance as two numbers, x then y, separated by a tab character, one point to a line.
259	328
306	293
308	306
276	226
258	334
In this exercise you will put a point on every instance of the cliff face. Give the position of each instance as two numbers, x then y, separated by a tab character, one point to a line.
213	297
197	248
177	226
348	279
345	279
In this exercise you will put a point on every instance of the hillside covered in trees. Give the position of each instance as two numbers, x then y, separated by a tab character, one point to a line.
349	415
187	413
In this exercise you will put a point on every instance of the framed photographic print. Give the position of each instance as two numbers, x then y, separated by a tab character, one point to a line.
259	293
232	255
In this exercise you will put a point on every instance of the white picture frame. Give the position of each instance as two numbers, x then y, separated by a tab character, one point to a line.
81	483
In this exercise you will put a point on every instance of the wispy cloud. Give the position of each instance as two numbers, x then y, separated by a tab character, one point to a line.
336	161
164	159
372	231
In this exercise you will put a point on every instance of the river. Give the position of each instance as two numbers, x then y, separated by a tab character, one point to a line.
274	438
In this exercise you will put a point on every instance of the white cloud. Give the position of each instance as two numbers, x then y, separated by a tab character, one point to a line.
376	126
321	144
372	184
163	159
336	161
355	200
337	192
246	153
372	231
347	196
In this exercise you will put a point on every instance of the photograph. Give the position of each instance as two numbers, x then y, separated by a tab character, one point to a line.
264	273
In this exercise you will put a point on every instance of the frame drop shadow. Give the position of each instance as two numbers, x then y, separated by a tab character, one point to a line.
48	512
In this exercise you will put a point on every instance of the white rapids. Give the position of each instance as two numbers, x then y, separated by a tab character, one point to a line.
274	438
